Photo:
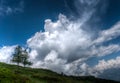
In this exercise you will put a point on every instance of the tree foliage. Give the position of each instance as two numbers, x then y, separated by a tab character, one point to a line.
25	57
21	56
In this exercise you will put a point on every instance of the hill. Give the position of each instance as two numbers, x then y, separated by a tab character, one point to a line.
15	74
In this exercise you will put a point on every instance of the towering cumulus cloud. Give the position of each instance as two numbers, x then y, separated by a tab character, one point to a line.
60	44
66	46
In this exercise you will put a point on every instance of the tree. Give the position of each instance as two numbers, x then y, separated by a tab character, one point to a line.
17	55
21	56
25	57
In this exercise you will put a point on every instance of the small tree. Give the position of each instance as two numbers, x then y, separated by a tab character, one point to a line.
21	56
17	55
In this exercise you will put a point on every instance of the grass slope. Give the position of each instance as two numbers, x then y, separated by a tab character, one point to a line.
15	74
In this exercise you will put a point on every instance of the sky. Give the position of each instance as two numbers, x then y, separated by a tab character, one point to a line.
76	37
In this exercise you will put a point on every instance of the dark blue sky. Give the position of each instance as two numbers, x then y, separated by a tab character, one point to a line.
17	27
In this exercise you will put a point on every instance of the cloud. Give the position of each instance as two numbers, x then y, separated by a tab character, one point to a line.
88	12
6	53
8	7
59	35
104	65
108	69
65	47
104	50
109	34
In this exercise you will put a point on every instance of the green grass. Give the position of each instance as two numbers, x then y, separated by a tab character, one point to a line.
15	74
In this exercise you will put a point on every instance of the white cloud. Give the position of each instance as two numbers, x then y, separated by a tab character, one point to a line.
109	34
60	38
104	50
104	65
65	46
107	69
6	8
6	53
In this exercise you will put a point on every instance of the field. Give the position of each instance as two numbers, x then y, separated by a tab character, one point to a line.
18	74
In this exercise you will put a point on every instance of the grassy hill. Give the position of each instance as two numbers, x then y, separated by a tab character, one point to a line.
15	74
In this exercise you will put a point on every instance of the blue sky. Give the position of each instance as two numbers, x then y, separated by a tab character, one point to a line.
24	24
79	36
31	19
